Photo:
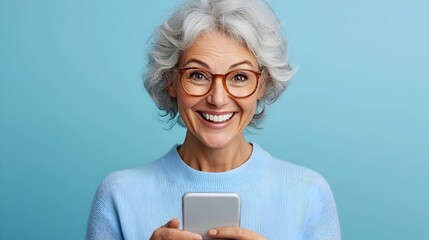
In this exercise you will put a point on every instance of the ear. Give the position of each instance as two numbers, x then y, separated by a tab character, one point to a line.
263	86
172	88
170	77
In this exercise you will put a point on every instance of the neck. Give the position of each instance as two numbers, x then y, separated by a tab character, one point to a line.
201	157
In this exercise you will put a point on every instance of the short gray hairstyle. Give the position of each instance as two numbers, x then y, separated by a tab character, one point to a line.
251	22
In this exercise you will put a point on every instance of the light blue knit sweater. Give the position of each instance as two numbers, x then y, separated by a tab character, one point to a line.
279	200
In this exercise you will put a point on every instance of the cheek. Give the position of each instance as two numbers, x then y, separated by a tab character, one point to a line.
249	106
185	103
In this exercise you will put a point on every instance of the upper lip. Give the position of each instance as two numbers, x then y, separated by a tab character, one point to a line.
216	113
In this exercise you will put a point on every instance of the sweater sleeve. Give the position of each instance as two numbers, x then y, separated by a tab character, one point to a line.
322	218
103	222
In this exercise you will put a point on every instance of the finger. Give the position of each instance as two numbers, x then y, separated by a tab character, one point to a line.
226	232
234	233
174	234
173	223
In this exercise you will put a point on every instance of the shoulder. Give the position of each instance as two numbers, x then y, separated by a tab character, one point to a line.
306	184
298	172
114	197
299	175
293	174
144	177
133	177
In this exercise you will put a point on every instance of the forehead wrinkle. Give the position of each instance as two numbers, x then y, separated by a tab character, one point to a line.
216	50
205	65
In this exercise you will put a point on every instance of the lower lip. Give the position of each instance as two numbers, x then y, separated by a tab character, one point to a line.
216	125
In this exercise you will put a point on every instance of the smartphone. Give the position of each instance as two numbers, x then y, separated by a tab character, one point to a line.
203	211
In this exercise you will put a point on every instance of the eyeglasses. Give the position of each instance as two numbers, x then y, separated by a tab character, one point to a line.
238	83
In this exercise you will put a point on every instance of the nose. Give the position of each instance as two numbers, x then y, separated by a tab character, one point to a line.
218	95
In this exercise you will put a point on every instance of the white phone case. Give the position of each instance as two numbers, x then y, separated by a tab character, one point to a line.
203	211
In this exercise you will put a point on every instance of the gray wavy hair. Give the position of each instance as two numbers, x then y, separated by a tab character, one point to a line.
251	22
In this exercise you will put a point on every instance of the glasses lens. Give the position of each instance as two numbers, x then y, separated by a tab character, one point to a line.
240	83
196	81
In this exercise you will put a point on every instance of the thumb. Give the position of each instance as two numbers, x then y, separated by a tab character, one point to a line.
173	223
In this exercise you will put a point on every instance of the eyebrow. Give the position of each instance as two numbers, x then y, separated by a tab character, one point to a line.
247	62
193	60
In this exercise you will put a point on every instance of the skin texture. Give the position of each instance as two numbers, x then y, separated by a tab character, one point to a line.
208	146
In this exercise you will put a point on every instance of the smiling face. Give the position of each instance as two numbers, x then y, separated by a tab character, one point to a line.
216	119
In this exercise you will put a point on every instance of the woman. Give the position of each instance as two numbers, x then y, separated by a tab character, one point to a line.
212	68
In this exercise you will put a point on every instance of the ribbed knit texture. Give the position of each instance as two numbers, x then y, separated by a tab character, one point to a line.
279	200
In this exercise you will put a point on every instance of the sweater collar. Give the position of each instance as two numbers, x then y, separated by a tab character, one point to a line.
247	173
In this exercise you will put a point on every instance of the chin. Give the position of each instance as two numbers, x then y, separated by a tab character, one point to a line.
217	142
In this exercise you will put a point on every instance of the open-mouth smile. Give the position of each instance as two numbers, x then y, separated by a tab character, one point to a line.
217	118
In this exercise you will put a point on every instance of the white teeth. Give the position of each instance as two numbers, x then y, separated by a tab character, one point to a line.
217	118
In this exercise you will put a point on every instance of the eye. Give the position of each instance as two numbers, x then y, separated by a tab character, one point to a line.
239	77
197	75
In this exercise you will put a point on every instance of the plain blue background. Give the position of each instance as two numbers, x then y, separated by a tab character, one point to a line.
73	108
